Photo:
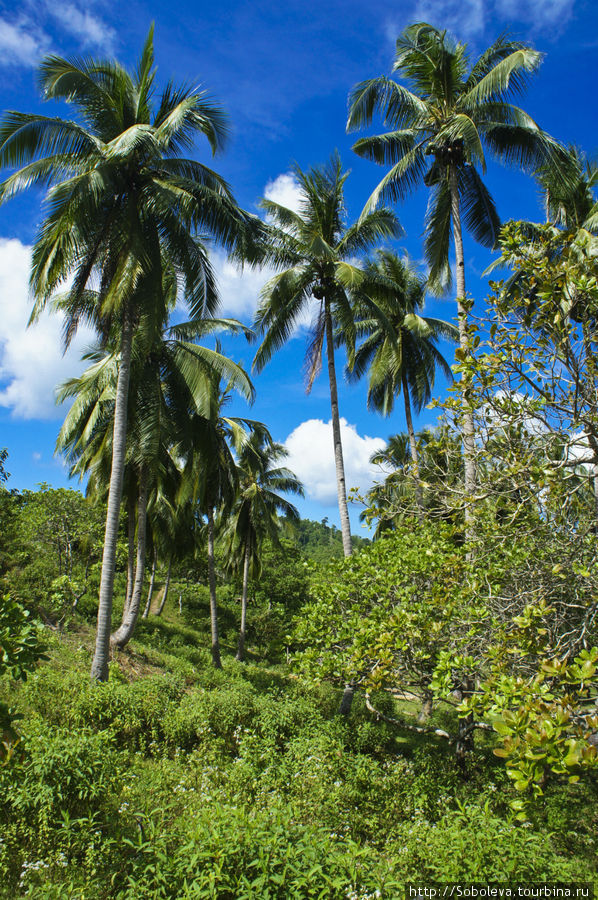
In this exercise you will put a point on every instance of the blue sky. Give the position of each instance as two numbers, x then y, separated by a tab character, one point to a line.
283	72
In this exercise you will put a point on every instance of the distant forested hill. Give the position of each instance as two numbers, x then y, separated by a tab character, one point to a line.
321	542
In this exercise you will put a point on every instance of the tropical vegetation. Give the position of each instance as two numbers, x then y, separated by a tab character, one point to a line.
277	708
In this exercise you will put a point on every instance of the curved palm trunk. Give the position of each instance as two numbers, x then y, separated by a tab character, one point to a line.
241	647
212	578
341	487
99	666
150	592
123	634
412	447
131	554
166	586
468	422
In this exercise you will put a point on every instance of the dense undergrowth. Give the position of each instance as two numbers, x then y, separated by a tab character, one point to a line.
176	780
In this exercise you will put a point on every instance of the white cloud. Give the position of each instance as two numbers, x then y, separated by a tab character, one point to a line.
463	18
31	360
21	43
311	458
285	191
542	13
471	20
239	288
82	24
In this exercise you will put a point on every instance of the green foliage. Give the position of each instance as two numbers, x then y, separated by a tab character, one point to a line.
381	617
21	644
322	542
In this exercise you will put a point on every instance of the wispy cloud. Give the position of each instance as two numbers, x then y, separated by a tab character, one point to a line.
470	20
89	29
25	39
542	13
465	18
21	43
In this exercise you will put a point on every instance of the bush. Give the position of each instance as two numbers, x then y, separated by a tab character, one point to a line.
59	797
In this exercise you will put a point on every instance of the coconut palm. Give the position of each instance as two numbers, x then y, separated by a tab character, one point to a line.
210	477
119	191
399	353
171	380
315	247
255	515
571	204
442	124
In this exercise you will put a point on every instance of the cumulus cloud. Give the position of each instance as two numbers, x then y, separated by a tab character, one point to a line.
21	43
311	458
31	360
239	288
285	191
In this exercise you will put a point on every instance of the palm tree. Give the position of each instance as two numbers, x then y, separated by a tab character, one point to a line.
399	352
119	192
255	515
314	247
441	126
571	205
210	477
171	380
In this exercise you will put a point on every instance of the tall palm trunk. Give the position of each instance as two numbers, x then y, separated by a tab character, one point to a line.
131	549
124	633
241	647
341	487
150	592
212	578
412	447
99	666
166	586
468	422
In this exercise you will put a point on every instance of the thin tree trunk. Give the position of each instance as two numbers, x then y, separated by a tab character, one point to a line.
468	422
241	647
413	447
346	700
426	710
341	486
131	554
150	592
166	586
212	578
465	743
99	666
123	634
